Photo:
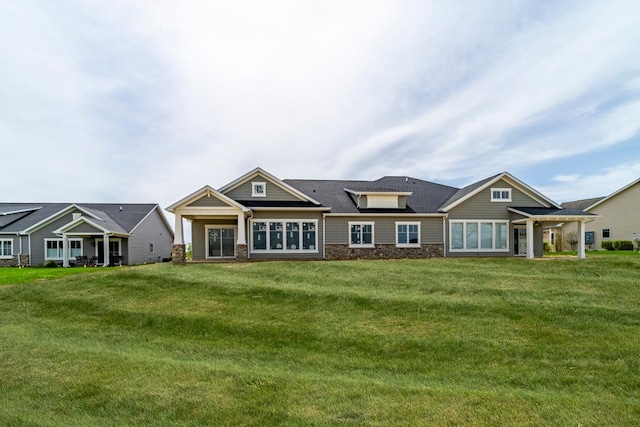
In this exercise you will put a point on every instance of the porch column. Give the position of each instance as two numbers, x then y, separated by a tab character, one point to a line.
65	250
530	238
581	242
106	250
178	238
242	235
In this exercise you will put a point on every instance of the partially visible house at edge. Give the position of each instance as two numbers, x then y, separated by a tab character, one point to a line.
619	215
73	233
258	216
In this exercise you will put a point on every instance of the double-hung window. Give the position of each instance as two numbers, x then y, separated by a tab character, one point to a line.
606	233
54	249
478	235
361	234
284	235
407	234
6	248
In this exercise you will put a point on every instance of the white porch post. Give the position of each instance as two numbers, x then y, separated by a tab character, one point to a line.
65	250
242	235
529	238
178	238
581	242
106	250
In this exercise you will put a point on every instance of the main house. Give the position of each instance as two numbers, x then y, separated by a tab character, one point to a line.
82	233
259	216
619	216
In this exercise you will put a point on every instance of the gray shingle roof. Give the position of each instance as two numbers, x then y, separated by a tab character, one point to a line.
427	196
582	204
111	217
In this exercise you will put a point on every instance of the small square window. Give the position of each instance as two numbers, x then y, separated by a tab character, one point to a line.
606	233
500	194
258	189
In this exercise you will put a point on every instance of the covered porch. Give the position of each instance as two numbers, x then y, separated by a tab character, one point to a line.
531	217
218	227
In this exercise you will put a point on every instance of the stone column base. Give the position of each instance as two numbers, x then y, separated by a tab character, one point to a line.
178	254
241	253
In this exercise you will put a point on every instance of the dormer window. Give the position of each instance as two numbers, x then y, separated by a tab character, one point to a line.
500	194
258	189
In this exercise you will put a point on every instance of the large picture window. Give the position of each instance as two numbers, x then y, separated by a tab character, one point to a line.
284	235
478	235
408	234
361	234
6	248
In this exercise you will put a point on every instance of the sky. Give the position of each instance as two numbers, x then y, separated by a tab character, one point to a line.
148	101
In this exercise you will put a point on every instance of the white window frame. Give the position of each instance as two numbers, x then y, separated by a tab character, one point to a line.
373	234
500	197
608	230
2	242
479	223
151	247
61	243
409	245
254	189
284	250
221	226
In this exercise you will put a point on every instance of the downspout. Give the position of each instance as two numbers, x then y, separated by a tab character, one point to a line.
324	236
444	235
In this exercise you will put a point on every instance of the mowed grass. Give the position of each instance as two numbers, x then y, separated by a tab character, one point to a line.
426	342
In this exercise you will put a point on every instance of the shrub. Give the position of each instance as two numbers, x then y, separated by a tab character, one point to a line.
546	246
623	245
50	264
607	244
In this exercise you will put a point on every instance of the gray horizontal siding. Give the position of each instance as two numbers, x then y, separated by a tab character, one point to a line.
152	230
84	228
274	192
480	206
337	229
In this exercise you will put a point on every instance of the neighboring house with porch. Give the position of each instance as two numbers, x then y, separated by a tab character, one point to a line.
259	216
618	216
82	233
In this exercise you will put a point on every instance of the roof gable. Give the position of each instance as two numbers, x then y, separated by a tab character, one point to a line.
612	195
262	175
197	200
471	190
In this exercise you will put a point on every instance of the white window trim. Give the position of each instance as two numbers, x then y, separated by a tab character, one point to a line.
373	234
284	250
254	193
478	249
409	245
2	241
501	199
72	258
206	240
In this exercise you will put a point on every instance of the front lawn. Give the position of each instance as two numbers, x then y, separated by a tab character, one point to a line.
426	342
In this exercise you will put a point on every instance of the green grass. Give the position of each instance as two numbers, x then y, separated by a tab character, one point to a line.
14	275
426	342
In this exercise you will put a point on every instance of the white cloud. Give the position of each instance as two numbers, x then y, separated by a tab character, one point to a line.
139	101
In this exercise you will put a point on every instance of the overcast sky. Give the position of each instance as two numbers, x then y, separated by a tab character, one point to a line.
148	101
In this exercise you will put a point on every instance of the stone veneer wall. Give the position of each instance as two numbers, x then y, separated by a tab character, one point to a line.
13	261
178	254
429	250
241	253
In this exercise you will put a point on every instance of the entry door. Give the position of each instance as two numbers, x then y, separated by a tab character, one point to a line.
221	242
520	239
